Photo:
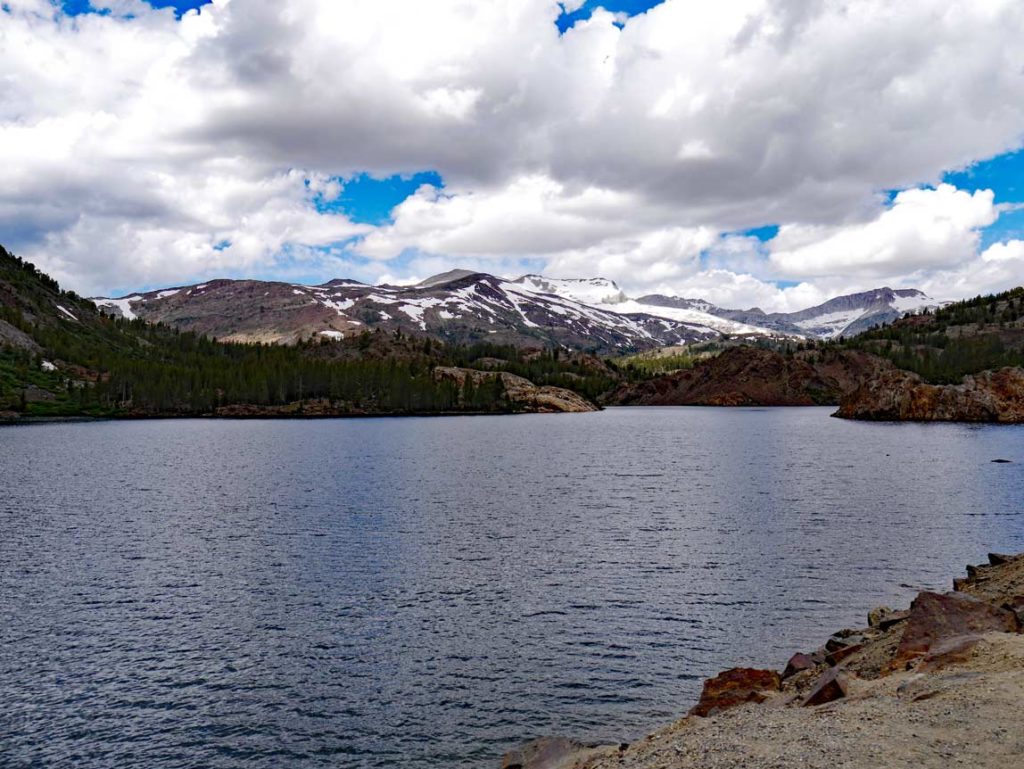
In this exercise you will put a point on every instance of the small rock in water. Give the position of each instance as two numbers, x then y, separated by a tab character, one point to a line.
831	687
1003	461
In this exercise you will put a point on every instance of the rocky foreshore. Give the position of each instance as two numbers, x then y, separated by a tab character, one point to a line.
894	395
939	684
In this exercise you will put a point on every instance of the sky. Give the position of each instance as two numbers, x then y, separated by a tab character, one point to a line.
769	153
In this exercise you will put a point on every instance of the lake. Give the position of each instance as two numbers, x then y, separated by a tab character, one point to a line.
430	592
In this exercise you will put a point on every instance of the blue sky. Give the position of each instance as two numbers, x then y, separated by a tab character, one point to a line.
686	155
75	7
368	200
1004	175
629	7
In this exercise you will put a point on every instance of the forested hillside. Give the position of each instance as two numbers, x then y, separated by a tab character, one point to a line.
962	338
60	356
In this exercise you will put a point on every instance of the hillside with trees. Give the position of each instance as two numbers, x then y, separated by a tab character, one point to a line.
60	356
979	334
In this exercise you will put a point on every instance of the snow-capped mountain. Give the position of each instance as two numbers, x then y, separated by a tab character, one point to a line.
842	316
605	294
458	306
592	291
465	307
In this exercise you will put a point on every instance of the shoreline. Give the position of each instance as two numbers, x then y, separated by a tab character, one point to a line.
36	420
939	683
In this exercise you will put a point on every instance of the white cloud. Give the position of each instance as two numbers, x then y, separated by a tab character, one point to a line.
924	228
130	148
997	268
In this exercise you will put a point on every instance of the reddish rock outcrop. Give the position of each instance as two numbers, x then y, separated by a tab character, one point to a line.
991	396
736	687
935	618
749	376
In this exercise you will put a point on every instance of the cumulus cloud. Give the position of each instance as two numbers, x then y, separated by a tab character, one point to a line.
137	149
924	228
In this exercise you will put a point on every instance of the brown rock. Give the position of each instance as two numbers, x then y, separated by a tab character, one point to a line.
894	619
837	656
998	559
832	686
935	618
736	687
798	663
1016	605
949	652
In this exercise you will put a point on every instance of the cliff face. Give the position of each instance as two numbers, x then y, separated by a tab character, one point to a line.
747	376
991	396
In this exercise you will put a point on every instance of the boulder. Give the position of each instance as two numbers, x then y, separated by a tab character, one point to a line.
936	617
830	687
876	615
736	687
1016	606
798	663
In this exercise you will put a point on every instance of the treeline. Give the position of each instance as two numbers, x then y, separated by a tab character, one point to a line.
181	374
78	360
986	332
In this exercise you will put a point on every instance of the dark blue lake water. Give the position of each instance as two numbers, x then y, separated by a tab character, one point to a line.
429	592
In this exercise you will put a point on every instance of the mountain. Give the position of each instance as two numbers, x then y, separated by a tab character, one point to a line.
961	362
842	316
593	291
465	307
606	295
458	307
60	356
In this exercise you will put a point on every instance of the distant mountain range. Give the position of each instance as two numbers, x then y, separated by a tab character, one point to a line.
462	307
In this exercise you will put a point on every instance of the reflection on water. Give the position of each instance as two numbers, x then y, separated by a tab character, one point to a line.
427	592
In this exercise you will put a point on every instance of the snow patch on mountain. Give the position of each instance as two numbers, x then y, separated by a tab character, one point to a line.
593	291
722	325
122	307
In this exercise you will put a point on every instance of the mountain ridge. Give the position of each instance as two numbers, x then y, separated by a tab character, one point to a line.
464	306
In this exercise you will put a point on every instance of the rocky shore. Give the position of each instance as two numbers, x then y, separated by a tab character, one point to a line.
939	684
990	396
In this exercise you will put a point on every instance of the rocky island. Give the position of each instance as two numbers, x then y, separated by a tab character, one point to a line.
936	685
